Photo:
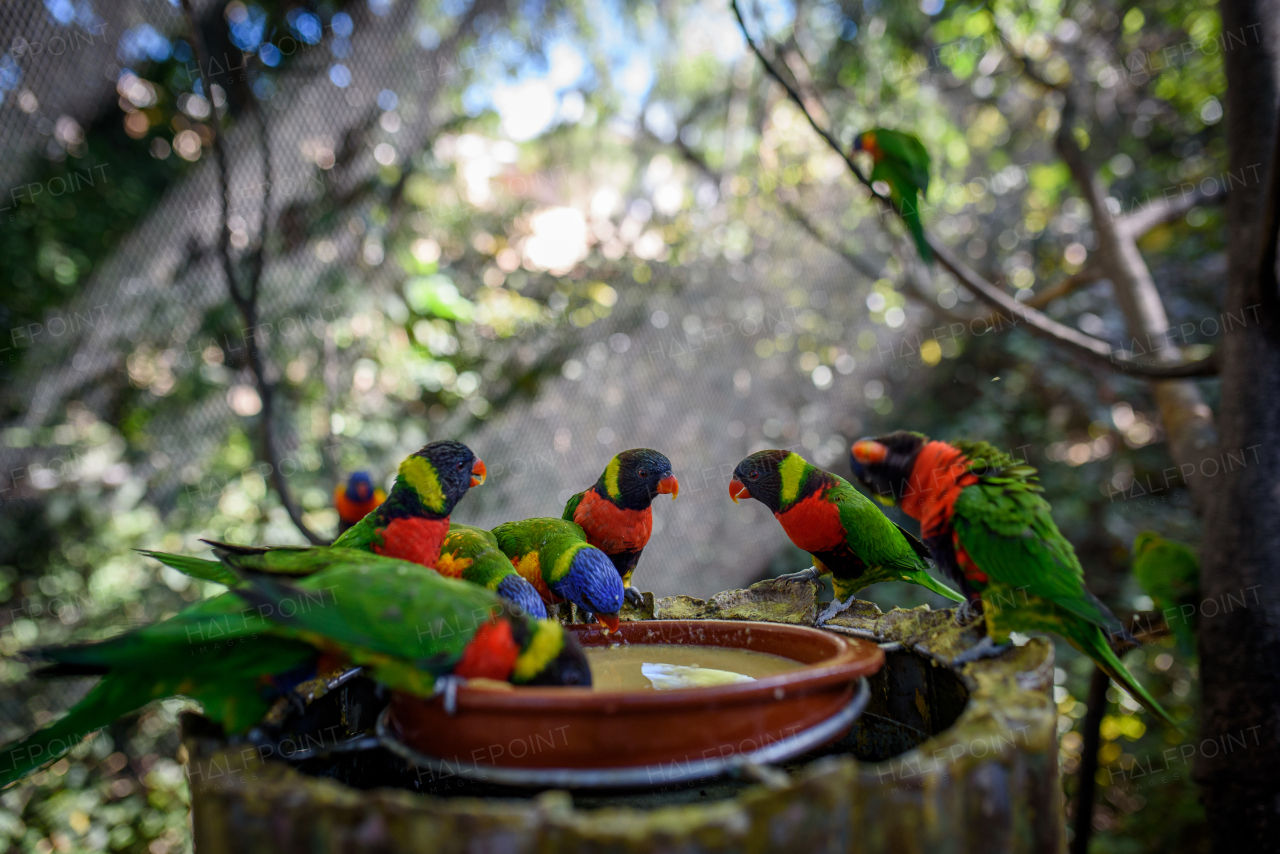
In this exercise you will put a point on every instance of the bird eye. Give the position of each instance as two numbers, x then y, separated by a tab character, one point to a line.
755	475
642	473
460	465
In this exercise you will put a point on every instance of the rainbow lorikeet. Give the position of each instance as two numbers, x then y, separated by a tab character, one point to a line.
241	653
555	557
1169	572
982	515
356	500
472	554
410	525
900	160
615	511
823	514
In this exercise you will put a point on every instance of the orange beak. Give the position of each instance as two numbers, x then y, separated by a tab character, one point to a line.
609	622
868	452
738	489
669	486
478	472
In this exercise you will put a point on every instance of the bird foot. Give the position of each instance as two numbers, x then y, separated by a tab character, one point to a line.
448	685
809	574
634	597
967	611
832	610
985	648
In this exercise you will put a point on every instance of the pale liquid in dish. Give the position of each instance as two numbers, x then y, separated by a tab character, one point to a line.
664	666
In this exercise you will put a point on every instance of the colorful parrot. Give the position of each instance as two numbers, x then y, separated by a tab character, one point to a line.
472	554
242	652
823	514
553	555
410	525
982	515
1169	572
900	160
356	500
615	512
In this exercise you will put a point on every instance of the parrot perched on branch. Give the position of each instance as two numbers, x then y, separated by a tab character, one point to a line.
823	514
356	500
900	160
1169	572
472	554
410	525
553	555
982	515
615	511
292	614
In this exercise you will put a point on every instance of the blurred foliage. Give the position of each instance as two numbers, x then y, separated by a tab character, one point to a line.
481	259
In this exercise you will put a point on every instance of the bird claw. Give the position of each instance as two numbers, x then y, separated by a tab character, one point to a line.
809	574
832	610
985	648
448	685
634	597
967	610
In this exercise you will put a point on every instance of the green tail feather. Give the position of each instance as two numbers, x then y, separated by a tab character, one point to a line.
205	570
928	582
912	219
109	699
1096	647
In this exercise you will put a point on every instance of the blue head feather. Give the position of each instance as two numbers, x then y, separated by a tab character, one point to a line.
592	583
523	596
359	486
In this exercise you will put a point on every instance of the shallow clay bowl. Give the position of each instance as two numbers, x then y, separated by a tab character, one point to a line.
570	728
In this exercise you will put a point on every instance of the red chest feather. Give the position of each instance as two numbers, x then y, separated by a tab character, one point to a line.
940	474
967	566
417	540
610	528
813	524
491	654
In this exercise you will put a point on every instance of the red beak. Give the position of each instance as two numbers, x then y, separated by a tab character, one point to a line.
609	622
478	472
738	489
669	486
869	452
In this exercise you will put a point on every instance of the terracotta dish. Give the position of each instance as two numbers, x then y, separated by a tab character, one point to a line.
663	731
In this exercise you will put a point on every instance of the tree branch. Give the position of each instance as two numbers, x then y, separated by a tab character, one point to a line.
1066	287
246	298
1137	223
1038	323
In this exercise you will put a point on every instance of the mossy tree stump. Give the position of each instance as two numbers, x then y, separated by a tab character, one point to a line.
943	760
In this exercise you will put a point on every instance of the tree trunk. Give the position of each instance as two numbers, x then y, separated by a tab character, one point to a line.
1238	754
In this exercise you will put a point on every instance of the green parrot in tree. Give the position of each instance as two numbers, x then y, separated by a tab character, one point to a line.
900	160
1169	572
823	514
294	614
472	554
410	524
554	556
982	515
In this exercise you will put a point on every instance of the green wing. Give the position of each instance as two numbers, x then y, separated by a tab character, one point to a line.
555	541
489	566
205	570
362	535
406	622
905	194
872	535
571	506
1008	532
909	153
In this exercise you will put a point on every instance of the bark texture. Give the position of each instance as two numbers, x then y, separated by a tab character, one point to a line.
1240	647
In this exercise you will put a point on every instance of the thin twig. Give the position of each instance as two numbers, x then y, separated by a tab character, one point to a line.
1039	324
246	299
